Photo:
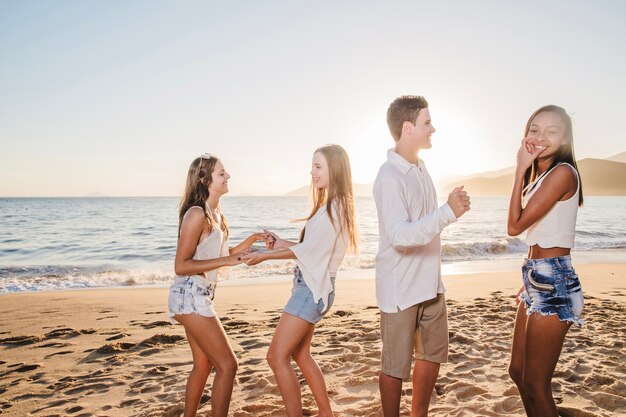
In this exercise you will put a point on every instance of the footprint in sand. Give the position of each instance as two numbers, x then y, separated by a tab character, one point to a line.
161	339
574	412
149	352
235	324
63	352
117	336
465	390
21	368
114	348
157	370
107	317
609	402
154	324
508	405
20	340
132	401
74	409
54	345
253	344
66	333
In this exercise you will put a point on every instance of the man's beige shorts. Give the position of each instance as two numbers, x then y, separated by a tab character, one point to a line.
423	328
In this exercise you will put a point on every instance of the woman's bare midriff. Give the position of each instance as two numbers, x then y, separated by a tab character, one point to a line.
537	252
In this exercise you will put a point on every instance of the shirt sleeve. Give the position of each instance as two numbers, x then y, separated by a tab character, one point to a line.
400	231
315	251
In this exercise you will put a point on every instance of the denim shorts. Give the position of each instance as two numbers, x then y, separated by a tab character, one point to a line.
191	294
301	303
552	287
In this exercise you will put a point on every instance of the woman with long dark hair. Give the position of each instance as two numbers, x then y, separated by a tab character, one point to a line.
547	192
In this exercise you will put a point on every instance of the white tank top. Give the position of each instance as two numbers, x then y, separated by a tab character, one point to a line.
557	228
212	246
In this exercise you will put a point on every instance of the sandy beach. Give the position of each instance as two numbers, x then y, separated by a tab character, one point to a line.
112	352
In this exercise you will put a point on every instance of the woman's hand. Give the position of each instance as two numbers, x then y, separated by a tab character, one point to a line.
517	300
272	241
233	260
258	236
529	150
253	258
268	238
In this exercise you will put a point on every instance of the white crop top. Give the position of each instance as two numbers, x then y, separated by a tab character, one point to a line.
214	245
557	227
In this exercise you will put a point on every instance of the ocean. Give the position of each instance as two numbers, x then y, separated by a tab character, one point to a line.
64	243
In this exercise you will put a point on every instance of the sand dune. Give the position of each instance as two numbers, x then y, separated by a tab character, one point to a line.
112	352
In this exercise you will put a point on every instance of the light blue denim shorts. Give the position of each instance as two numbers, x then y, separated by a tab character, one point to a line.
552	287
301	303
191	294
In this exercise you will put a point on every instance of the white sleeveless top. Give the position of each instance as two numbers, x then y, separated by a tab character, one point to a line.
557	227
212	246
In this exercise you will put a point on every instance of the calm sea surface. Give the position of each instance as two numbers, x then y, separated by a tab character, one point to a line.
58	243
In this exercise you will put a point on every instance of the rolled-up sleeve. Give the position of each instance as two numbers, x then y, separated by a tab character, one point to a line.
400	231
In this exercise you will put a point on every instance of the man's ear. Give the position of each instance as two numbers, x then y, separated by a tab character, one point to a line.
407	127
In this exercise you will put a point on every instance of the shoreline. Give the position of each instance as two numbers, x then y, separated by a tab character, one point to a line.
470	268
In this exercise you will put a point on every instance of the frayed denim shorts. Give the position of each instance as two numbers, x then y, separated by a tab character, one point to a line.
552	287
301	303
191	294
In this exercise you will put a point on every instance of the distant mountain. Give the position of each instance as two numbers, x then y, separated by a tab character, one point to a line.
620	157
599	177
360	190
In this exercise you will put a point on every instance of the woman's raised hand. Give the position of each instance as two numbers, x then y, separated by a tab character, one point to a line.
529	150
270	239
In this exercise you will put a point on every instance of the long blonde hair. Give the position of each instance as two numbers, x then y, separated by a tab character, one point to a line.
199	176
339	190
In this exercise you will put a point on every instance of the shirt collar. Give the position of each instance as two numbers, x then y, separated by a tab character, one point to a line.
402	164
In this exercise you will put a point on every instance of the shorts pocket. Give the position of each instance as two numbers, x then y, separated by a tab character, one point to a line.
205	291
538	282
176	299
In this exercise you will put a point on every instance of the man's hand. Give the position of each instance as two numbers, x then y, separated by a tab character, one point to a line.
459	201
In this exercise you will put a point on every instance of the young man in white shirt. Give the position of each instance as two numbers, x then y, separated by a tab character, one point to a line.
409	290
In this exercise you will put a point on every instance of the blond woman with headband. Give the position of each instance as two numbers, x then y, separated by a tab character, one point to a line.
329	231
201	257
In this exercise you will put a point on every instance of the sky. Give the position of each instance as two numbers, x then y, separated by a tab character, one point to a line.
118	97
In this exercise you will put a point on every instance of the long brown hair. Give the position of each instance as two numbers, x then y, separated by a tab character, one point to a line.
196	192
339	191
564	154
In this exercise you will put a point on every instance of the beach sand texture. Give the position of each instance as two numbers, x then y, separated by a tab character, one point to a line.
112	352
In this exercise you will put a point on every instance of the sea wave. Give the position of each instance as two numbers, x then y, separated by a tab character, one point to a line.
483	249
63	277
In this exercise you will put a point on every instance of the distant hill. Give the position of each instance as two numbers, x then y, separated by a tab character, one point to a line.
599	177
360	190
620	157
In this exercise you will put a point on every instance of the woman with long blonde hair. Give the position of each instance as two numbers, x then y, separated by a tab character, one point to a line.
201	257
330	230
